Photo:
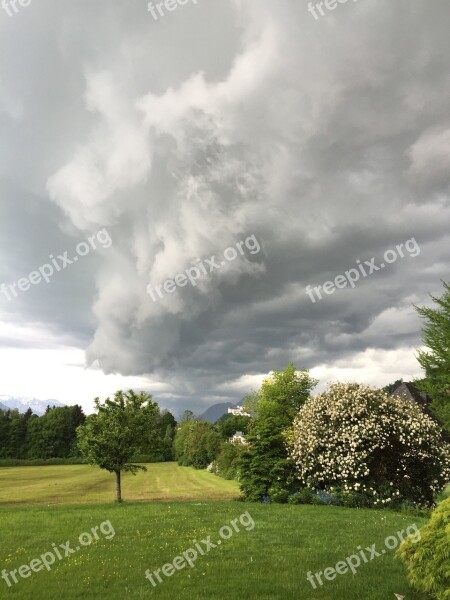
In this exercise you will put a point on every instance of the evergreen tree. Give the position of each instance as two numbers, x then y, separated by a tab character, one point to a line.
17	435
5	426
436	360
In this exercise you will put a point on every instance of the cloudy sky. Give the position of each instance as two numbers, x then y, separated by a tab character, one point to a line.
326	140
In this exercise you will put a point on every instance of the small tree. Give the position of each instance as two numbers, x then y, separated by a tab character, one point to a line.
266	468
117	432
436	361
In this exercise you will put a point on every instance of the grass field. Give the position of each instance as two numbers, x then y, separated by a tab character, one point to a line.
270	561
85	484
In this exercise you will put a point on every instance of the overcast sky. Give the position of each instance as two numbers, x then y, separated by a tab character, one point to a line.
326	139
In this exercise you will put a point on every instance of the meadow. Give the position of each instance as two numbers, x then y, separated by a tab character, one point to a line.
45	505
75	484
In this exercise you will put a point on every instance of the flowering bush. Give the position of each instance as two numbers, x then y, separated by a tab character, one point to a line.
369	448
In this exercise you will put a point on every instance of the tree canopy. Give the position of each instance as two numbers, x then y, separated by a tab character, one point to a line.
267	469
113	436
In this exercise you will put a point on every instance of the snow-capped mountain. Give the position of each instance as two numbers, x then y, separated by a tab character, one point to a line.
23	404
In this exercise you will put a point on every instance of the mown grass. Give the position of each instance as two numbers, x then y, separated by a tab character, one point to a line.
71	484
269	562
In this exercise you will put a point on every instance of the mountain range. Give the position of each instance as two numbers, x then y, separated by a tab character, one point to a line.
214	412
23	404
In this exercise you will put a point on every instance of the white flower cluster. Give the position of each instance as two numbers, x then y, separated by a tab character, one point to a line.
362	440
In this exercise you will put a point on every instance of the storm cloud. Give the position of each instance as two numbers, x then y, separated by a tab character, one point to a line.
328	140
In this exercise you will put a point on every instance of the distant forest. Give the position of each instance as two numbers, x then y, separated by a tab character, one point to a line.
52	435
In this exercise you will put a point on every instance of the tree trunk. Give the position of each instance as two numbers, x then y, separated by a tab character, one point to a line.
118	487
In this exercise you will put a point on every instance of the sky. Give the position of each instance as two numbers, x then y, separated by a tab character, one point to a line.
248	148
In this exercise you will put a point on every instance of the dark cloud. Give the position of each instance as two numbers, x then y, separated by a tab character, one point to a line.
328	140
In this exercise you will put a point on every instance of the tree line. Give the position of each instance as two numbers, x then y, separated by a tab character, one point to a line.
200	444
29	436
26	436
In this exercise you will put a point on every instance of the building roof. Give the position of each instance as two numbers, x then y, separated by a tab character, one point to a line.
410	391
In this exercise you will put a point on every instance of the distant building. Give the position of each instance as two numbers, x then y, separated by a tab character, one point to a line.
409	391
238	412
238	438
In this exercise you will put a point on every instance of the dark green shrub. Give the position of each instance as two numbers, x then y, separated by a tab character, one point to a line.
303	496
279	494
227	463
354	500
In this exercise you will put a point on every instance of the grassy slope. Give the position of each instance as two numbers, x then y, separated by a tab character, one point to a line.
269	562
87	484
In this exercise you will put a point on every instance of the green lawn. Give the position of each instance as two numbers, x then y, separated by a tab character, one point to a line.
269	562
86	484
